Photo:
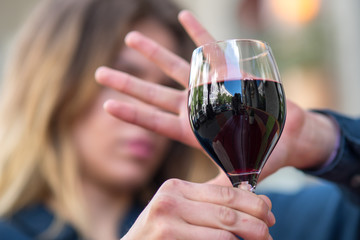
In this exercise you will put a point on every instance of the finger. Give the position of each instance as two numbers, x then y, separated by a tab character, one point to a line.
271	217
171	64
163	123
154	94
221	217
266	200
165	212
195	232
195	30
234	198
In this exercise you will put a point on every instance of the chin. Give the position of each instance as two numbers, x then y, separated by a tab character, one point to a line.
134	182
129	181
120	185
127	177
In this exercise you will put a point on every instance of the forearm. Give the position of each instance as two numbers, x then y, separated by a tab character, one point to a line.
316	142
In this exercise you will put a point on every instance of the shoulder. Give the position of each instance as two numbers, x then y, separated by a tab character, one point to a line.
10	232
26	223
34	222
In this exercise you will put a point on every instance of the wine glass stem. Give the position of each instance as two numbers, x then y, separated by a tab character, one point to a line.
245	185
244	181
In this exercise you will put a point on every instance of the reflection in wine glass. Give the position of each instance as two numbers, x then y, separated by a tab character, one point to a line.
236	106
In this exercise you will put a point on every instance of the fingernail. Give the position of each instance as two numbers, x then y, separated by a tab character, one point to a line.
271	218
270	237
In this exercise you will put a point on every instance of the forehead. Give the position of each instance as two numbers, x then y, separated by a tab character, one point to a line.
157	32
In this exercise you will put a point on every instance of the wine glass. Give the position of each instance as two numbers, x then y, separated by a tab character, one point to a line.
236	106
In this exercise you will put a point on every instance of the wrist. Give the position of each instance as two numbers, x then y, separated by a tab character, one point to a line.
319	139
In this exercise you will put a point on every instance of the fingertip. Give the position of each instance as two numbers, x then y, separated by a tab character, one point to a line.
100	73
270	216
109	104
183	14
131	37
271	219
267	200
120	110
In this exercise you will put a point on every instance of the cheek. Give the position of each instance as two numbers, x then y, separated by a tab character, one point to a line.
163	148
103	157
92	139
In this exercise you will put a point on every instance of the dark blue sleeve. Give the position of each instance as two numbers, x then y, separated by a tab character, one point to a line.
317	212
345	168
8	232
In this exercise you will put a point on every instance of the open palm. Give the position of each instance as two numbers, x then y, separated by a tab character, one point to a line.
170	117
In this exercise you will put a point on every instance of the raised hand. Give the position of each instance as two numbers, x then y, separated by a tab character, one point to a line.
170	117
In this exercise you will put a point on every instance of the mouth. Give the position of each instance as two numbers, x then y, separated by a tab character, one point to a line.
141	148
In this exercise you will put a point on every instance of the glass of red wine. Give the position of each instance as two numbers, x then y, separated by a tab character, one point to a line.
236	106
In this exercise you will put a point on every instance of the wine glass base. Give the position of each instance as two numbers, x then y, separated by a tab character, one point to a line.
245	185
246	181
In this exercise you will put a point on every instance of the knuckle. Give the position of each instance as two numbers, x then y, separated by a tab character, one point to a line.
162	205
227	194
176	103
151	93
174	69
180	99
227	216
126	83
156	120
171	184
154	52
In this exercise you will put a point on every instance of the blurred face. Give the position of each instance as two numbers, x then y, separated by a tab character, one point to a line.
113	152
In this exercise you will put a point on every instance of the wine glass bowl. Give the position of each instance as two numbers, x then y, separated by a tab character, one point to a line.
236	106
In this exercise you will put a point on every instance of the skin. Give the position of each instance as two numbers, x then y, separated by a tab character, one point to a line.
181	210
184	210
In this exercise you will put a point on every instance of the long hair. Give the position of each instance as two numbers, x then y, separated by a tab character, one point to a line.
49	84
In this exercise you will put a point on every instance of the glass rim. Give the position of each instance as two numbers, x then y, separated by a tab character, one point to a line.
266	48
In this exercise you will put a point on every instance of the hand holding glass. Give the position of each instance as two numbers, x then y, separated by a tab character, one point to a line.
236	106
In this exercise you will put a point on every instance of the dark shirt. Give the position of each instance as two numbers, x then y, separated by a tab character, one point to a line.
328	211
344	170
34	222
319	212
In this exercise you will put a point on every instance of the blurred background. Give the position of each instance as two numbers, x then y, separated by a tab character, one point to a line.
315	43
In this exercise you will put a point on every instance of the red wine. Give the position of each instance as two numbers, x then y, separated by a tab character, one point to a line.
238	122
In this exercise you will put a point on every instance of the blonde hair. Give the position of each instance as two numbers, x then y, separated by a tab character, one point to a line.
48	84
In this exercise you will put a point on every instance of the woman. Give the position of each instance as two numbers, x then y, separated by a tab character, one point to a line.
321	143
68	170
